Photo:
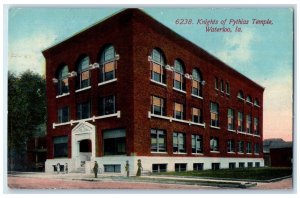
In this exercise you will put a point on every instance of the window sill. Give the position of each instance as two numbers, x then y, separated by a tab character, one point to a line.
228	94
249	153
62	95
256	153
215	151
241	153
214	127
71	122
231	130
107	82
153	152
256	105
83	89
231	152
256	135
197	96
249	102
159	83
241	98
178	153
197	154
181	91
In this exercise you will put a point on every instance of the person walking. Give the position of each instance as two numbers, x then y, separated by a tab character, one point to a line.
58	168
95	169
127	168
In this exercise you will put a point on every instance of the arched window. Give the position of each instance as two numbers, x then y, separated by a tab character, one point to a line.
240	95
178	75
63	82
249	99
83	72
196	83
256	102
157	68
108	64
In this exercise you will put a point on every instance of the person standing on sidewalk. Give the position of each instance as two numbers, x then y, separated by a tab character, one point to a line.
140	168
95	169
58	168
127	168
66	168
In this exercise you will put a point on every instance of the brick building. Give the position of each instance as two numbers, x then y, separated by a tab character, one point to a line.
129	88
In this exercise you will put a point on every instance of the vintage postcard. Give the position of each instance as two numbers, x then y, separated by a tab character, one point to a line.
197	98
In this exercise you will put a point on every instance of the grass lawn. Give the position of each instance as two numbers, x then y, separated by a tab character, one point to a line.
265	173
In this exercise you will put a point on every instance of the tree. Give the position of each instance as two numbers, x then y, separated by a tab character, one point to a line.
26	112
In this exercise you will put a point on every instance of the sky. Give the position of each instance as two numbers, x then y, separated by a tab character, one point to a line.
262	52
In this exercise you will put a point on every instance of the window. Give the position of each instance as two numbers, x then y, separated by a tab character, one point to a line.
196	115
159	168
196	83
240	95
249	99
158	140
158	72
249	147
157	105
214	144
230	119
197	144
178	111
60	145
180	167
241	164
240	121
179	145
214	114
256	148
178	75
256	102
114	142
83	73
83	110
257	164
248	125
231	165
63	114
250	164
112	168
216	83
215	166
227	88
107	105
222	85
197	166
230	146
241	147
63	81
256	132
108	64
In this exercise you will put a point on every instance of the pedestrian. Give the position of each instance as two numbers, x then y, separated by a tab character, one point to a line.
127	168
140	168
95	169
58	168
66	168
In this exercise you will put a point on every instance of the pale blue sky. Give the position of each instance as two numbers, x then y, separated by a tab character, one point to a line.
262	53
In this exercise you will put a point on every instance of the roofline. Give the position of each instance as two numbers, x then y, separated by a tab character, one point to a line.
185	39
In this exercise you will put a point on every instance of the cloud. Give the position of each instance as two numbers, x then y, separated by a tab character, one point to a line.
25	53
237	47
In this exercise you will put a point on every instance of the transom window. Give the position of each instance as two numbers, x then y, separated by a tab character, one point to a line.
241	147
63	81
178	111
230	119
83	110
196	115
248	126
197	144
157	66
108	64
158	140
178	75
230	146
214	114
240	121
107	105
256	130
179	143
196	83
214	144
157	105
83	73
63	114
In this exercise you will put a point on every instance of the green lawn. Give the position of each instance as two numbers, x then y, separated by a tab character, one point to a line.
265	173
